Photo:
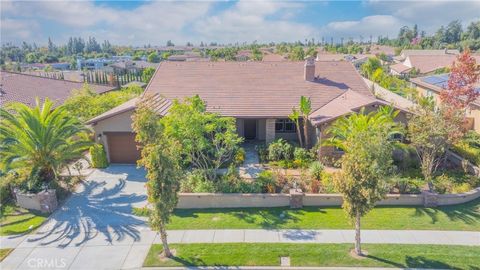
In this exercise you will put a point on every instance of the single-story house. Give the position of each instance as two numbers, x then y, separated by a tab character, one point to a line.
25	88
434	84
259	95
424	61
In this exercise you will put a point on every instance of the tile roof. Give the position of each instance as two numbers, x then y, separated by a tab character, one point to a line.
438	83
346	103
254	89
400	68
429	63
17	87
125	107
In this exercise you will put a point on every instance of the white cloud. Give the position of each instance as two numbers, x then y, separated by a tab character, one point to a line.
254	20
376	25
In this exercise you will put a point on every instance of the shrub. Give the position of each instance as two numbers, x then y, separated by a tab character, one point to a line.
315	170
262	153
266	181
239	157
98	155
406	185
327	182
196	182
468	152
302	157
280	150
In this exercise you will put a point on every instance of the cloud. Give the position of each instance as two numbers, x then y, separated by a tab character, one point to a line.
253	20
376	25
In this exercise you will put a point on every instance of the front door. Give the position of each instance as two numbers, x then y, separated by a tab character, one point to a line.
250	129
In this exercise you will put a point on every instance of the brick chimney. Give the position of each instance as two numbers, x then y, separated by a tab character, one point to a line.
309	70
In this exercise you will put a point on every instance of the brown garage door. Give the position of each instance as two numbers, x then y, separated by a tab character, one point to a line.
122	147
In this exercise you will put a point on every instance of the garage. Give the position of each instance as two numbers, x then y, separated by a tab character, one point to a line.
122	147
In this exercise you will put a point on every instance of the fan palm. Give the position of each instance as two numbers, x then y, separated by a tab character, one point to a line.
305	109
42	139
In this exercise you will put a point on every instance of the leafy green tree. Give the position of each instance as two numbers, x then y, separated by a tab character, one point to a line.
147	74
370	66
208	140
43	139
295	117
86	104
305	110
153	57
365	139
160	155
297	54
431	133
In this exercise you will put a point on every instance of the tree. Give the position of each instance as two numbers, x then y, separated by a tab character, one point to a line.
305	110
297	54
464	75
431	135
370	66
365	139
160	157
208	140
43	139
294	116
147	74
153	57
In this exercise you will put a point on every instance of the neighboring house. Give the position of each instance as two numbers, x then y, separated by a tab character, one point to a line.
190	56
434	84
24	88
272	57
37	66
131	66
259	95
356	59
244	55
424	61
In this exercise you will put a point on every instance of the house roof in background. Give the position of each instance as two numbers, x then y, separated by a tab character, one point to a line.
255	89
429	63
400	68
438	83
17	87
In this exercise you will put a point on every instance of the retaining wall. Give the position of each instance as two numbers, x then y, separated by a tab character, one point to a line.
237	200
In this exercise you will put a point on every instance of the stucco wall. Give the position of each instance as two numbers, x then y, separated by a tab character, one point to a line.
236	200
118	123
240	127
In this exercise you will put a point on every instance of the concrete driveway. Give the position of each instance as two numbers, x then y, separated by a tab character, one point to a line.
94	229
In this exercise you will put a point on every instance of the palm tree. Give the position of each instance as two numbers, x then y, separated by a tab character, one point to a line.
366	141
305	109
294	116
41	139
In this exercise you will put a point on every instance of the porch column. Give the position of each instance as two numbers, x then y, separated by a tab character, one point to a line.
269	130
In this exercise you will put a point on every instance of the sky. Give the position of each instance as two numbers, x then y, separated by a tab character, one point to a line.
138	23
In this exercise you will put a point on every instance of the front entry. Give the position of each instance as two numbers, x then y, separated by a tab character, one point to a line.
250	129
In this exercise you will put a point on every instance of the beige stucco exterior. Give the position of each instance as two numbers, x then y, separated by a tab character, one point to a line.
473	113
118	123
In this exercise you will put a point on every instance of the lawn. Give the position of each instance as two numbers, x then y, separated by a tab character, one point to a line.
465	217
15	220
265	254
4	253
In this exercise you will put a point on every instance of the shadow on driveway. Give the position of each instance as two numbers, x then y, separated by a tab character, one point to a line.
102	206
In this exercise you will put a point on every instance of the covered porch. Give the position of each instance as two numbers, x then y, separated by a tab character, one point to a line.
266	129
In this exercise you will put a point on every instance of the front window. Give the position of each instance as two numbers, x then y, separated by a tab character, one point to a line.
284	126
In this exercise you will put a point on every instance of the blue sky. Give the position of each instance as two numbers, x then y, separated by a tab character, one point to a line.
155	22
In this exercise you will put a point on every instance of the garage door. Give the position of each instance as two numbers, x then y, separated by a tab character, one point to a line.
122	147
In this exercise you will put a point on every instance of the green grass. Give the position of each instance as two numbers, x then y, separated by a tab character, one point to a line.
465	217
15	220
4	253
265	254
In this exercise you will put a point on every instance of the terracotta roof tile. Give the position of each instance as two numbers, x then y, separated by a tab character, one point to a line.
254	89
17	87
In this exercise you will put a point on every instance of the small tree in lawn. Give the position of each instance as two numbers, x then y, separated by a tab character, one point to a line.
160	157
305	110
295	117
365	139
464	75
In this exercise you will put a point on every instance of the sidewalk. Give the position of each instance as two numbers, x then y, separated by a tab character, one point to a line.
127	252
